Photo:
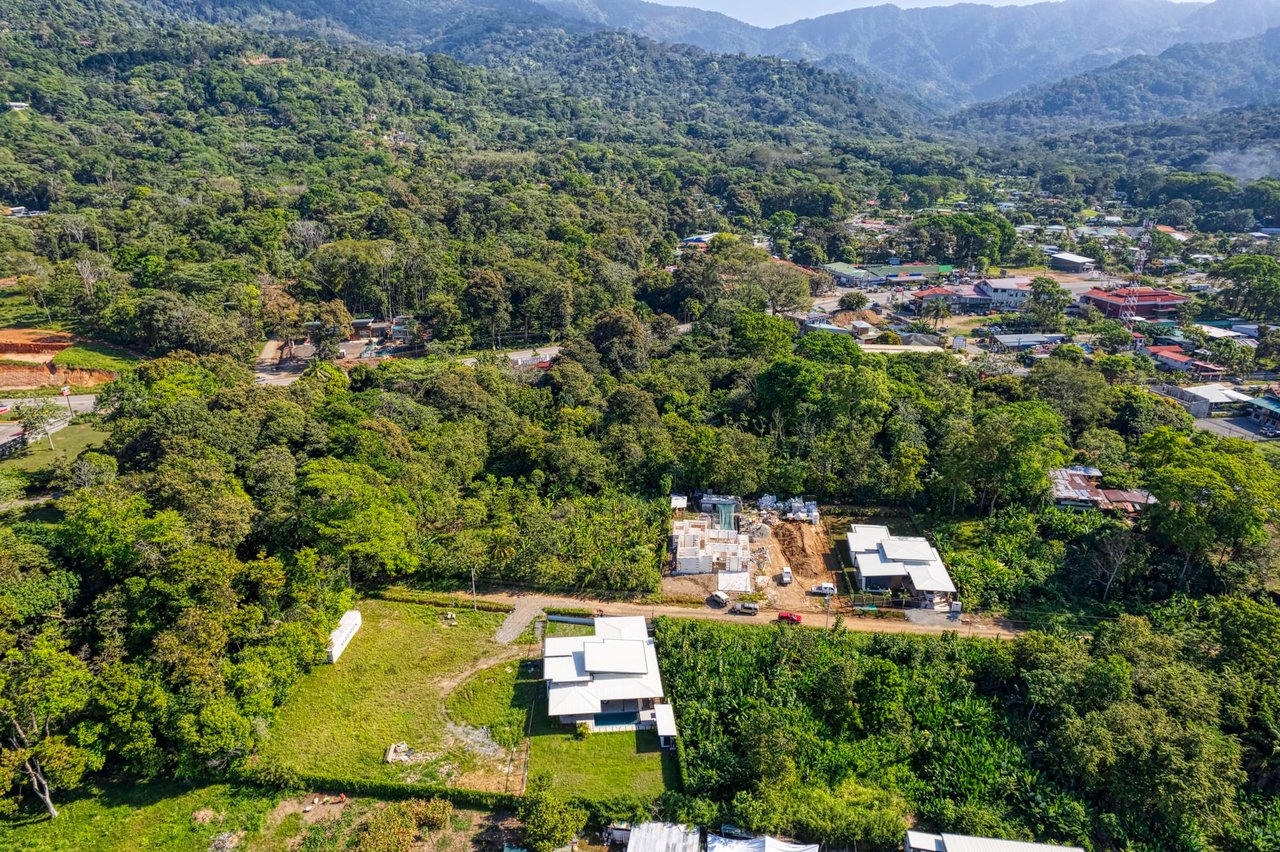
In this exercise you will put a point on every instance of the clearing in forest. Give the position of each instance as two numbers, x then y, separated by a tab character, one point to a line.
389	687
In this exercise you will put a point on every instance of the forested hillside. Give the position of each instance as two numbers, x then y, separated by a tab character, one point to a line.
1185	80
1241	142
956	54
376	179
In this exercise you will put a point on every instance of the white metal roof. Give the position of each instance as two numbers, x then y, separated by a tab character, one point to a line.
622	627
930	577
570	669
864	538
878	553
716	843
679	501
1072	258
662	837
1217	394
619	663
921	841
665	718
562	646
965	843
907	549
571	700
615	656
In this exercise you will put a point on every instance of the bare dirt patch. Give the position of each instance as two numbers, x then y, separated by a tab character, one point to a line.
314	808
15	377
39	336
204	816
805	547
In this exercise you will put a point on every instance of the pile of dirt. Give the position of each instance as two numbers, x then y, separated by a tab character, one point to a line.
804	546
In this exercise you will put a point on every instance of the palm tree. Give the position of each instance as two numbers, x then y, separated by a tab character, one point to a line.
937	310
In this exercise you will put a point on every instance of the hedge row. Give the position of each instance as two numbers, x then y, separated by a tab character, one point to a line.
399	790
601	811
459	601
570	611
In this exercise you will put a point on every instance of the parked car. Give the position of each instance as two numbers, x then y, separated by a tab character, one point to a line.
786	576
745	608
718	599
4	409
824	589
789	617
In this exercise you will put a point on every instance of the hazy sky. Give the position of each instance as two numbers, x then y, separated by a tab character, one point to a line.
769	13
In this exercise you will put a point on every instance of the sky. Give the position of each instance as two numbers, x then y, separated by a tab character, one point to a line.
771	13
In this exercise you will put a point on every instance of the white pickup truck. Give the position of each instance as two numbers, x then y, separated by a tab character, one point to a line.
824	589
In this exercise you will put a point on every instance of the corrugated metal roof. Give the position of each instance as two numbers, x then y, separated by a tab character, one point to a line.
662	837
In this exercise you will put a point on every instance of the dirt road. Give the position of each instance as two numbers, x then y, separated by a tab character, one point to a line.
970	626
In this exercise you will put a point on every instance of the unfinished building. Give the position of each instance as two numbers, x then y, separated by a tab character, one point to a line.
701	547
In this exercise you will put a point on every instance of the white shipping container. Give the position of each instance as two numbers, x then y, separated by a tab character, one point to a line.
342	635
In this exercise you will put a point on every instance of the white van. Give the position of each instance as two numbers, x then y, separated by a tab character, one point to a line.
718	599
786	576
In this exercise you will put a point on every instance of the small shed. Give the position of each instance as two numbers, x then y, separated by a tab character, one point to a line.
664	717
342	635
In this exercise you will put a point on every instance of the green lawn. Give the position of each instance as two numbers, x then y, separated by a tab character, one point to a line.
386	688
155	817
602	764
67	443
94	356
560	628
17	311
497	698
500	698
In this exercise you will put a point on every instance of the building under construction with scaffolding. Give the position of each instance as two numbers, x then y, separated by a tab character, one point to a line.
708	541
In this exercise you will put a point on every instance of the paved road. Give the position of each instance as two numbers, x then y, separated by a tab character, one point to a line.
1232	427
80	404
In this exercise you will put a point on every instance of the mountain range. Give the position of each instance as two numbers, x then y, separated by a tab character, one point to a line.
991	73
951	55
1187	79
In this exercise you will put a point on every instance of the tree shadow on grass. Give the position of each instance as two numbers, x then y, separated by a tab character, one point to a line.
109	791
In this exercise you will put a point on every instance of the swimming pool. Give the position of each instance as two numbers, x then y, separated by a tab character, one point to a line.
605	719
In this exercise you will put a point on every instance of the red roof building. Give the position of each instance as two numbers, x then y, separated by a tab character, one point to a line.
1148	302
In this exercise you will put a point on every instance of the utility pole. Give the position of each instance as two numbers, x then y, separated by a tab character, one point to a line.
474	608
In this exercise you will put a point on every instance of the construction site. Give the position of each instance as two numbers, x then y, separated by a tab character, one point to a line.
721	544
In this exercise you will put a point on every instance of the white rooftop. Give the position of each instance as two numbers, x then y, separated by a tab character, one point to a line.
877	552
614	656
716	843
618	663
663	837
1217	394
923	841
665	718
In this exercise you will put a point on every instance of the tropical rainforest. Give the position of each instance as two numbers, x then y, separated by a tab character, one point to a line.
205	186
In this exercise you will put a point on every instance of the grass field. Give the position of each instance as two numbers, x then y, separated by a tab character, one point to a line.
500	699
497	698
17	311
158	817
387	687
67	443
601	764
94	356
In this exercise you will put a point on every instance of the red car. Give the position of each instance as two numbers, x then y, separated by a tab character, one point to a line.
789	617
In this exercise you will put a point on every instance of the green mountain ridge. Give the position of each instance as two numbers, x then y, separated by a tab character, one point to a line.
1184	80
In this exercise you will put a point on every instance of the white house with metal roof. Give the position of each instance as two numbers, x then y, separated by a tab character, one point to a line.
886	561
610	681
923	841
